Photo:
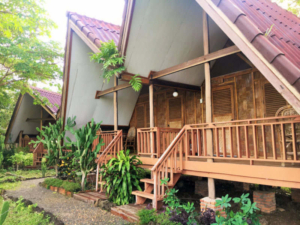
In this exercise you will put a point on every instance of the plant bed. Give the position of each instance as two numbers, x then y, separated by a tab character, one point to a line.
62	187
30	211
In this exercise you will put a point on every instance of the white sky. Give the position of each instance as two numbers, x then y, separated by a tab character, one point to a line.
107	10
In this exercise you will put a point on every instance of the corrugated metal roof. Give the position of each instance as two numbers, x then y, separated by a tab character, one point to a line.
282	46
53	97
96	30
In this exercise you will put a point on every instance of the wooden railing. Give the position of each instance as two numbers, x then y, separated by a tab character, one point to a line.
274	139
111	150
25	142
161	138
38	153
107	137
269	140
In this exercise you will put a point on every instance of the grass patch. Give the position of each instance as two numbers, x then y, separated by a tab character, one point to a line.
21	214
34	173
10	186
68	186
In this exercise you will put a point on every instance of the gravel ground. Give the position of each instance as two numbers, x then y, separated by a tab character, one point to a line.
69	210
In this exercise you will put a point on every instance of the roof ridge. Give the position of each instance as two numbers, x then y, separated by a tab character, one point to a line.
50	92
92	18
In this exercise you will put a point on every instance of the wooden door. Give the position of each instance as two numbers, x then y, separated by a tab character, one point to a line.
175	112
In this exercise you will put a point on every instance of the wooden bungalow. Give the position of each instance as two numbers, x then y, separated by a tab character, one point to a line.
27	117
220	96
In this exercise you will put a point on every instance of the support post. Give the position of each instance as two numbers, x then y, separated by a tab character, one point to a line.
151	113
211	182
115	105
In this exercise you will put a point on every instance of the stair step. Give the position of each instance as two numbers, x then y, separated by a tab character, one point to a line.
151	181
145	195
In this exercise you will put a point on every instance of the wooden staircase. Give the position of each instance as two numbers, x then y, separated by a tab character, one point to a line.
111	151
168	166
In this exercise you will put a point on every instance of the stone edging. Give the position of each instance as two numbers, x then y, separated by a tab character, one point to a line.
59	190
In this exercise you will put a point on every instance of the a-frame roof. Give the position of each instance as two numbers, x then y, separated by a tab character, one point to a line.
281	47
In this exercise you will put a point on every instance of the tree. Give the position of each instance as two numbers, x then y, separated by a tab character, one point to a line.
290	5
25	55
52	137
82	148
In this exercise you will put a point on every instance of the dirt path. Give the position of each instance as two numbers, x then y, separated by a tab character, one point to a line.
69	210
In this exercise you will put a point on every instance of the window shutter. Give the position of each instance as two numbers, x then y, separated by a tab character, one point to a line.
140	116
222	101
273	100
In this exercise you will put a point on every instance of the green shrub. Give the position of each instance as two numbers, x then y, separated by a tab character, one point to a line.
246	215
147	215
121	176
70	186
150	215
53	182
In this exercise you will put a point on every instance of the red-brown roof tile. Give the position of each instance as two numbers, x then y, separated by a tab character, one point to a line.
53	97
282	47
96	30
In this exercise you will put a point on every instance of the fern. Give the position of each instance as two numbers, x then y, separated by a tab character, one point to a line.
136	83
113	63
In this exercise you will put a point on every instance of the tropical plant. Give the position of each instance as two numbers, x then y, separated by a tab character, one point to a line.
180	213
122	177
2	148
52	137
113	63
82	148
67	169
71	186
4	212
17	159
44	167
245	216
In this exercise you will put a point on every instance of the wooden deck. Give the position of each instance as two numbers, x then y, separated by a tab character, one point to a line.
90	197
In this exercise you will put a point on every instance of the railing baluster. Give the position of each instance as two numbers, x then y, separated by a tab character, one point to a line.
283	142
238	141
230	139
217	142
204	141
186	145
273	142
294	141
148	143
199	142
264	140
224	142
138	142
254	141
193	142
246	141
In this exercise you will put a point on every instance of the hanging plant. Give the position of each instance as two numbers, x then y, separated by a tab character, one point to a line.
113	63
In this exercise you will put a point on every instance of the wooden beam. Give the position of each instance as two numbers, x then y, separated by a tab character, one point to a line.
111	90
128	77
39	119
198	61
208	108
176	85
116	105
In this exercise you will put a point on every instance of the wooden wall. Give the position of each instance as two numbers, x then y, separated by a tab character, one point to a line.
237	96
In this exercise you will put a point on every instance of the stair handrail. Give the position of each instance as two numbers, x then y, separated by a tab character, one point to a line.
107	150
163	162
37	147
165	155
